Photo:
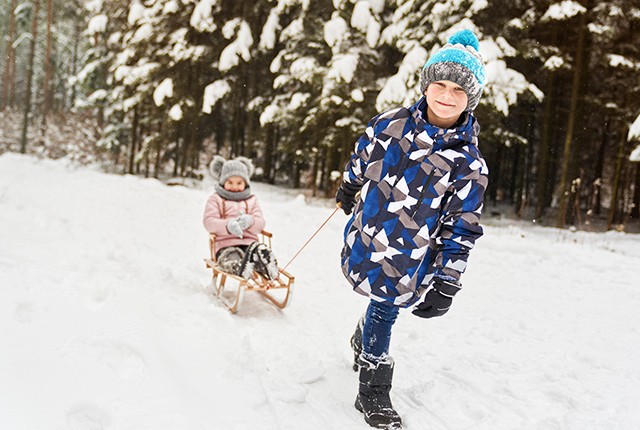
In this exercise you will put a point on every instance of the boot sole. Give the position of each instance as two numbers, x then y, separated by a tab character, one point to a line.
387	426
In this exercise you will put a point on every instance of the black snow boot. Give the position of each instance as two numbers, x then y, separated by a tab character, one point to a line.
356	344
248	263
373	396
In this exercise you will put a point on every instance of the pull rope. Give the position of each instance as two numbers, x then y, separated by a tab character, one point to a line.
311	238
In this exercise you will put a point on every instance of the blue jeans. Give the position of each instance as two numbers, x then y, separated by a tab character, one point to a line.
376	333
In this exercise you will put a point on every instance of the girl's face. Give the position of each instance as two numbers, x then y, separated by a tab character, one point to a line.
234	184
446	100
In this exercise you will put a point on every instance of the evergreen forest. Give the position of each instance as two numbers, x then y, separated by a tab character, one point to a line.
158	87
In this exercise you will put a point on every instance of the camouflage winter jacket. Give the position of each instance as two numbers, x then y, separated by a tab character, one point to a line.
422	189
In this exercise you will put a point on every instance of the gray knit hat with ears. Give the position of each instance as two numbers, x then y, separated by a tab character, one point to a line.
458	61
222	169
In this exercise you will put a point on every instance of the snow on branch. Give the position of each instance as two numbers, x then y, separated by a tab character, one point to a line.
175	113
201	18
563	11
162	91
213	93
304	69
136	13
343	68
503	84
97	24
553	63
363	20
170	7
269	114
616	60
335	29
396	88
239	48
268	36
134	75
634	130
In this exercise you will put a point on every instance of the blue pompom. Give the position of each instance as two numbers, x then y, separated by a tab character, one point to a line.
466	38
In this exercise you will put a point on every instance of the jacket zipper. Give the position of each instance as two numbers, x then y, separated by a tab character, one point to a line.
424	188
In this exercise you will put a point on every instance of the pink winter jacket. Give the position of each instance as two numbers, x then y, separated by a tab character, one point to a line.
219	211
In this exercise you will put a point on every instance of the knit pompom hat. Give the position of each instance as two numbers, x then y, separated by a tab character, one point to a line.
458	61
222	169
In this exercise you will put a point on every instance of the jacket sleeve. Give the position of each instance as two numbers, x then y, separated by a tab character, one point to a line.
355	168
213	218
258	219
460	222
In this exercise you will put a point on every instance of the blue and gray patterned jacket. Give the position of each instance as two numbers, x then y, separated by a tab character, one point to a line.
421	196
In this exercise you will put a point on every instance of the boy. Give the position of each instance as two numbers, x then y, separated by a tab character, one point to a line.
421	181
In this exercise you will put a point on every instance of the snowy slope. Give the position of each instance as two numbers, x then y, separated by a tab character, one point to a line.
108	322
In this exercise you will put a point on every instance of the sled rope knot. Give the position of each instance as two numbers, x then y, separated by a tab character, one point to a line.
311	238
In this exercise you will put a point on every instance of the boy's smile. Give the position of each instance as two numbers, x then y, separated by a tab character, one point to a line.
446	100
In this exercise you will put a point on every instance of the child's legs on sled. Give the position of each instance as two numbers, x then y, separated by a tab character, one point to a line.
229	258
259	257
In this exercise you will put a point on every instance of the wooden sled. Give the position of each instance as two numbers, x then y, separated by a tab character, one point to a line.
277	291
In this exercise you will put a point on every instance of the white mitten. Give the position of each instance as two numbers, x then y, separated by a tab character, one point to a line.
233	227
245	221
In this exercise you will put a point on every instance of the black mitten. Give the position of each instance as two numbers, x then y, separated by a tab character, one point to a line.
438	300
346	196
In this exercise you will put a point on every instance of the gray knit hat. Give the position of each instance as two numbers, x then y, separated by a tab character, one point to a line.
458	61
222	169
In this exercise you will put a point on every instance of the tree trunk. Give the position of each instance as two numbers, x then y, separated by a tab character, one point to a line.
596	200
156	167
495	175
47	66
575	87
29	83
134	141
8	82
186	147
635	211
267	165
324	175
313	183
514	184
616	178
542	180
74	64
516	179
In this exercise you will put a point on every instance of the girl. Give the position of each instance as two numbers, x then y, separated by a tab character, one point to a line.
234	216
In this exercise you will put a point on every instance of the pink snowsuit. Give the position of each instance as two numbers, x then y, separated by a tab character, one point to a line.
219	211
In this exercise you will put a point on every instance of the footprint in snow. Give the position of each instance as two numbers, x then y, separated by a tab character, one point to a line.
85	416
119	356
27	311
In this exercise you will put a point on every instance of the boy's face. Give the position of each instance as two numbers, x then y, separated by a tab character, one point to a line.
446	100
234	184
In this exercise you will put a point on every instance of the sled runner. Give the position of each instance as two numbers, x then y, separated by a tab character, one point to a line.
277	291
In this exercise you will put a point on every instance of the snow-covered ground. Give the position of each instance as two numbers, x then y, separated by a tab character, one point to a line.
107	321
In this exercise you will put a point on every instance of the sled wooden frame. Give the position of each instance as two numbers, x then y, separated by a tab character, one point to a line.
257	282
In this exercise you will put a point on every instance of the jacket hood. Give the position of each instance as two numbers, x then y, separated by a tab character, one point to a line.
445	138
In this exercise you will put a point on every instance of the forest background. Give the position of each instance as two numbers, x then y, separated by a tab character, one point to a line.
157	87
